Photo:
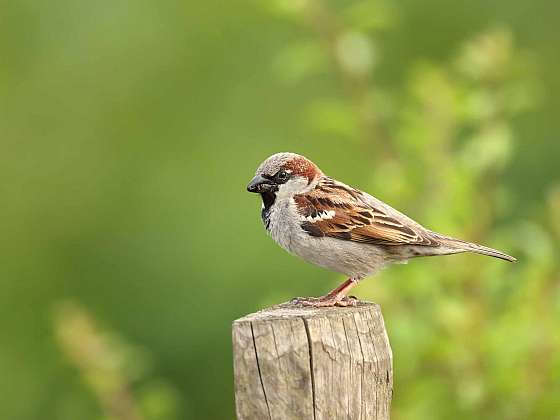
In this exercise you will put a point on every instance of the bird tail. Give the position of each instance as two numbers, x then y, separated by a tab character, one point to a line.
458	245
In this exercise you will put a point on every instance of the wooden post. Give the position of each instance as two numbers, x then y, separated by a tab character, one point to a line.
293	362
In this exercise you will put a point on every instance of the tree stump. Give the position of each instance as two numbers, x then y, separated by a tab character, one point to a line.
293	362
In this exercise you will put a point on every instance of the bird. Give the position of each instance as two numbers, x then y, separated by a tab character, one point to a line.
340	228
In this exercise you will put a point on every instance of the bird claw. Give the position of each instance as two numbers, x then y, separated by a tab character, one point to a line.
325	301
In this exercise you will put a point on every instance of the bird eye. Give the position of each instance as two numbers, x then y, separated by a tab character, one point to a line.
282	175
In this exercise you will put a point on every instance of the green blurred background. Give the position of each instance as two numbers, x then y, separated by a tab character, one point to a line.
129	130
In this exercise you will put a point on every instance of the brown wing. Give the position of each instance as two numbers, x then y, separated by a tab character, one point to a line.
335	210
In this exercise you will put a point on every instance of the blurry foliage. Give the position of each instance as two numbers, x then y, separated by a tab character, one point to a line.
129	129
110	367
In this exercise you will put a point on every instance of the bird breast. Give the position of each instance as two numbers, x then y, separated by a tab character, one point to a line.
352	259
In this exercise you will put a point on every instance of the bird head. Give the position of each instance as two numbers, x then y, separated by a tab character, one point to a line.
284	175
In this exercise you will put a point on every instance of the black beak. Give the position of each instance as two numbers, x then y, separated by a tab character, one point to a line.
260	184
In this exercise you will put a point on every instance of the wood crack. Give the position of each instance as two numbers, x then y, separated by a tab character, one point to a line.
312	374
363	366
259	370
350	370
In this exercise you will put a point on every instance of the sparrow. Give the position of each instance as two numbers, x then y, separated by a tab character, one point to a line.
341	228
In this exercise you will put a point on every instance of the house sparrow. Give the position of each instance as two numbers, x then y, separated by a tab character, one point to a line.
340	228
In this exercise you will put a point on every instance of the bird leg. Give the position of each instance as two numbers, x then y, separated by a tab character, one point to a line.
336	297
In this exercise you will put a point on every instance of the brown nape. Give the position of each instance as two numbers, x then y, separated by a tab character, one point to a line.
303	167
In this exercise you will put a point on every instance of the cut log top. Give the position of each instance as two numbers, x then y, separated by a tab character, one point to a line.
288	310
294	362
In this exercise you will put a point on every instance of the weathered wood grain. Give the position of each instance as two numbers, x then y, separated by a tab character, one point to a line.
292	362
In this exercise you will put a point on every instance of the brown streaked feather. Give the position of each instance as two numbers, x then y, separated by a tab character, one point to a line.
356	218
